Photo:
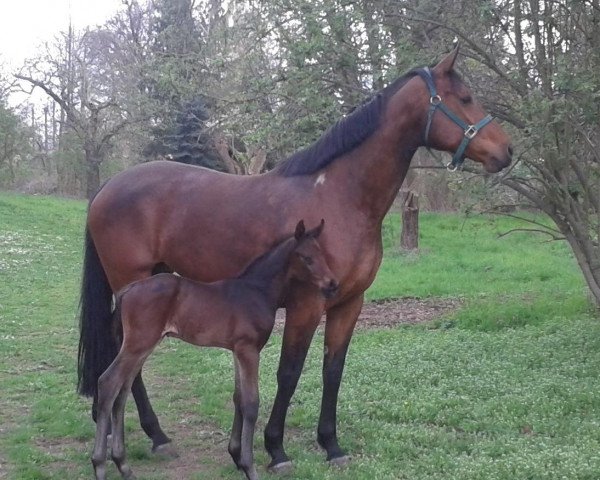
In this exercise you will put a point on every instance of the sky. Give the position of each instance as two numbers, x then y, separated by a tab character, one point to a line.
26	24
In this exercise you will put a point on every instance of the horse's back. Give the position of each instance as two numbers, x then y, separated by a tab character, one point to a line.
167	212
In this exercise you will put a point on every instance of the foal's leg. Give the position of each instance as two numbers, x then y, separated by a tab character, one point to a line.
109	385
300	325
148	419
339	327
161	443
235	439
118	422
102	429
246	364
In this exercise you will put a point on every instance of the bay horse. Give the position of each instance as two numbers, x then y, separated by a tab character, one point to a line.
207	226
236	314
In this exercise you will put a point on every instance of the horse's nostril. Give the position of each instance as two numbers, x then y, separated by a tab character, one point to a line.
510	150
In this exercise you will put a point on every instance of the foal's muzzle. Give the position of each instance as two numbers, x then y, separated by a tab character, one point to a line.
330	289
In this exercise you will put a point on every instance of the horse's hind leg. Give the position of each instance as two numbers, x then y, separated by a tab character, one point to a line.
161	443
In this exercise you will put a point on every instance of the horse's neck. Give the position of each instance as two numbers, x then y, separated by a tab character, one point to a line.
372	174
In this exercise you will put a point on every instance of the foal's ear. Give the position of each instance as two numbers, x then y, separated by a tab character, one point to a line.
300	230
447	63
317	230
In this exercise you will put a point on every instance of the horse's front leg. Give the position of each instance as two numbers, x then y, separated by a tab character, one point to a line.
339	327
301	322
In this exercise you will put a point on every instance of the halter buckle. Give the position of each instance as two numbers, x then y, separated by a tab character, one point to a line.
471	131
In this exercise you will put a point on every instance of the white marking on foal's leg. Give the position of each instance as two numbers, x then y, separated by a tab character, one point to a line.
320	180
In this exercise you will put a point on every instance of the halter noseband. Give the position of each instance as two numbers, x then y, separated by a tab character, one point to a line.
469	131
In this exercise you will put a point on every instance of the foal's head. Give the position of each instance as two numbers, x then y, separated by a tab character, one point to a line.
307	262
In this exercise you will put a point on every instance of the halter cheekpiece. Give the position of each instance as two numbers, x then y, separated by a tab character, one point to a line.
435	103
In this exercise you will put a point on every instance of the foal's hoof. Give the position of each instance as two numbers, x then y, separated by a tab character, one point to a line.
166	450
282	468
340	462
127	474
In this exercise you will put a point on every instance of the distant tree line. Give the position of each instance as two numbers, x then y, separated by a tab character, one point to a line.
237	86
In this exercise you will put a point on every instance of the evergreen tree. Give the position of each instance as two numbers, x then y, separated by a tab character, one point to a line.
189	140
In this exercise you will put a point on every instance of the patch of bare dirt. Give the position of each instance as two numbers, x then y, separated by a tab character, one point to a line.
201	446
61	450
390	313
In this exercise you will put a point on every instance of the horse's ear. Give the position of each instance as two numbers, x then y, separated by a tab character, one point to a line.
447	63
300	230
317	231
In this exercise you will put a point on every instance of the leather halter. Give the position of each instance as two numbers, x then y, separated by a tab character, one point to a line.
435	103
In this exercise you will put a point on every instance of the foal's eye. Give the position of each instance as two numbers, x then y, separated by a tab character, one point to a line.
466	100
307	260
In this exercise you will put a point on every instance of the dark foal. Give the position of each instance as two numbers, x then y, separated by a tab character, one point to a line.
236	314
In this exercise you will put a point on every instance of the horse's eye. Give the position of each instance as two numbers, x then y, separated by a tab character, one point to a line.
466	100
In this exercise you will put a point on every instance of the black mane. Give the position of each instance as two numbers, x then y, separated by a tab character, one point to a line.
270	263
345	135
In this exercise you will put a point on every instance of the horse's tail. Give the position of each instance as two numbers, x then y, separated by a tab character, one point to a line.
97	344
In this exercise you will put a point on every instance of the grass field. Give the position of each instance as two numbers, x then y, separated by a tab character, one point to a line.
505	388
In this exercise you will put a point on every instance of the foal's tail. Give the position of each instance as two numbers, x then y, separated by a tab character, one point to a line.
97	344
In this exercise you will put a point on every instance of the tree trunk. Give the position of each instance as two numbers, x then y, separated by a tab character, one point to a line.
257	162
92	175
223	151
409	238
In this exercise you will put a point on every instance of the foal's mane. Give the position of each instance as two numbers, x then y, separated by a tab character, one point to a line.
346	134
271	262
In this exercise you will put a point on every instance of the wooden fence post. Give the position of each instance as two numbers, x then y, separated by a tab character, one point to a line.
409	238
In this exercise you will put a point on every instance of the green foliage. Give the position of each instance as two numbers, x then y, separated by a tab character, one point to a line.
467	257
15	146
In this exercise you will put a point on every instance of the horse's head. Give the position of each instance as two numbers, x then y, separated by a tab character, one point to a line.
456	123
307	262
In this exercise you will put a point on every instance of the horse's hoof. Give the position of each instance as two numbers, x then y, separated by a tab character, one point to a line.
282	468
166	450
339	462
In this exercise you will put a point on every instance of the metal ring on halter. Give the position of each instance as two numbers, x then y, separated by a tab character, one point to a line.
435	100
451	167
